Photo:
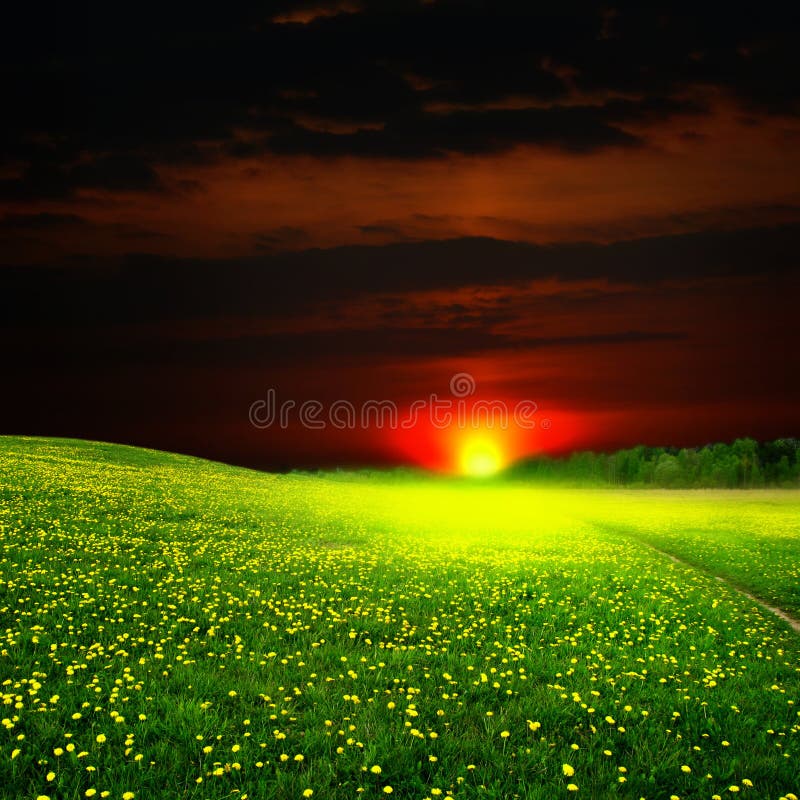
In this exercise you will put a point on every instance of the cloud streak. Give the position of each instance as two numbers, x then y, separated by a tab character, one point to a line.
94	107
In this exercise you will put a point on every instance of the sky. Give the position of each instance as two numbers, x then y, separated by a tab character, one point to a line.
591	208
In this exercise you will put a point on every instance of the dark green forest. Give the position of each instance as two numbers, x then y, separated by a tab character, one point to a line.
744	464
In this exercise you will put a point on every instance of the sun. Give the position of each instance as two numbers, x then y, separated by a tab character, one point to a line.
481	457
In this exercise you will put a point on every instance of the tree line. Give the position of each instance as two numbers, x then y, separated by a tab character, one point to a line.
743	464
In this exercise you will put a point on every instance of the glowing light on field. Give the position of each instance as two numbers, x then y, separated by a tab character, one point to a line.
481	457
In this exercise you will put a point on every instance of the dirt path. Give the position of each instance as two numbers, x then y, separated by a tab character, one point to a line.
793	622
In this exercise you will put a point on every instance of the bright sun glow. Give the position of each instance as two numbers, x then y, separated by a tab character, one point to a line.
481	457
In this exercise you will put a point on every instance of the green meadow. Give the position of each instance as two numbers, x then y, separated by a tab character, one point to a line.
176	628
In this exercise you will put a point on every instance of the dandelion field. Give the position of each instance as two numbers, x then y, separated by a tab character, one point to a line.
175	628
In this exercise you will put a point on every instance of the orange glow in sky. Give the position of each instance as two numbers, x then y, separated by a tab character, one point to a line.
472	443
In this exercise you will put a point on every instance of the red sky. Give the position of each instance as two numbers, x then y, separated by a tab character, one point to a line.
598	215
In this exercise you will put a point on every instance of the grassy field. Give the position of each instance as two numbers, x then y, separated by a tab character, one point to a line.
175	628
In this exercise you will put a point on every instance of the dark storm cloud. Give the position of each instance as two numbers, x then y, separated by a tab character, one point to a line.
112	173
346	346
576	130
99	96
144	288
41	234
115	173
43	221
